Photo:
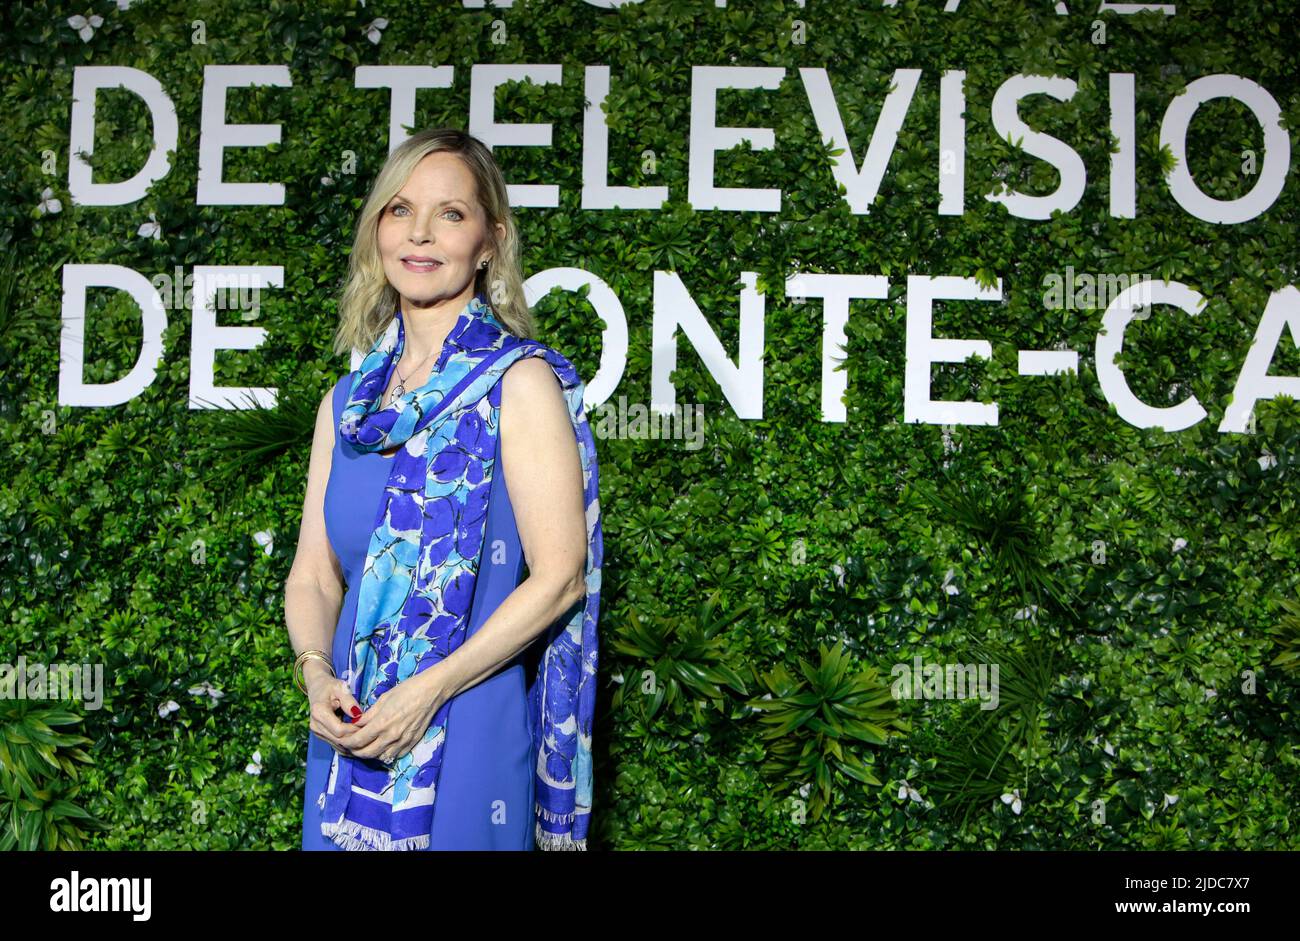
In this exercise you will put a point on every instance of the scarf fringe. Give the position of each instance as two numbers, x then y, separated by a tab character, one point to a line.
353	836
556	841
546	840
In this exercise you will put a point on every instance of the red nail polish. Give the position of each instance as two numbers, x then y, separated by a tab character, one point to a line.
356	712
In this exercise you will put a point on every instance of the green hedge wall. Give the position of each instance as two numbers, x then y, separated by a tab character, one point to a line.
1137	588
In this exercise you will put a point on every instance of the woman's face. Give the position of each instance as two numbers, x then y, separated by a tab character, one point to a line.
434	216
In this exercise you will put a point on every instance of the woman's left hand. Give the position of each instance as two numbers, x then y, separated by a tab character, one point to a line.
398	719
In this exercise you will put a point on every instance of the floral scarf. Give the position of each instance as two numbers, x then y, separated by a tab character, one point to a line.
413	605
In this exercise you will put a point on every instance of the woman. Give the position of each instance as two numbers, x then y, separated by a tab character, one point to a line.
451	703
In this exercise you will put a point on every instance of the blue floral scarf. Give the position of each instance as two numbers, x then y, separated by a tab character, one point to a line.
413	606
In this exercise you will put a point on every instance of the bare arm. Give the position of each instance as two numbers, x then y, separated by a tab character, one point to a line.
313	590
543	473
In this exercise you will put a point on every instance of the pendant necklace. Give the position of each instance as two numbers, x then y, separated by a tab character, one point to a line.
399	390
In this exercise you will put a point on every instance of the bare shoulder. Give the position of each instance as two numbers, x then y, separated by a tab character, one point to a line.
534	418
530	392
322	443
530	374
325	413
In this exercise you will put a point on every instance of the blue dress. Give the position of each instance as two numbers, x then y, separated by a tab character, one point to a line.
486	784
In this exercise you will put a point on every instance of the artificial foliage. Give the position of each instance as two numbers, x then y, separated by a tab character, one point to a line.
1137	587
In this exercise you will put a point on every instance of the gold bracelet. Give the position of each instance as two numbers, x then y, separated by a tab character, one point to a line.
301	662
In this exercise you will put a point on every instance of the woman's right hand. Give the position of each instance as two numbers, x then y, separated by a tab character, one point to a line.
326	694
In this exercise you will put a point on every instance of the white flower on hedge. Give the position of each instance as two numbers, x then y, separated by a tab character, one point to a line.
805	790
255	766
947	583
150	229
264	540
1179	543
375	29
1030	612
906	790
84	26
1013	799
1266	460
206	689
124	5
1169	801
48	203
1211	692
168	708
839	574
617	678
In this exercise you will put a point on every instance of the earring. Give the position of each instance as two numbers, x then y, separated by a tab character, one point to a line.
484	265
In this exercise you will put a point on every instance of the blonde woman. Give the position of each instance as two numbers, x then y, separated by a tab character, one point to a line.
450	701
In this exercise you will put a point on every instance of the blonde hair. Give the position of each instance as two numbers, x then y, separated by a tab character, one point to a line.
368	302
